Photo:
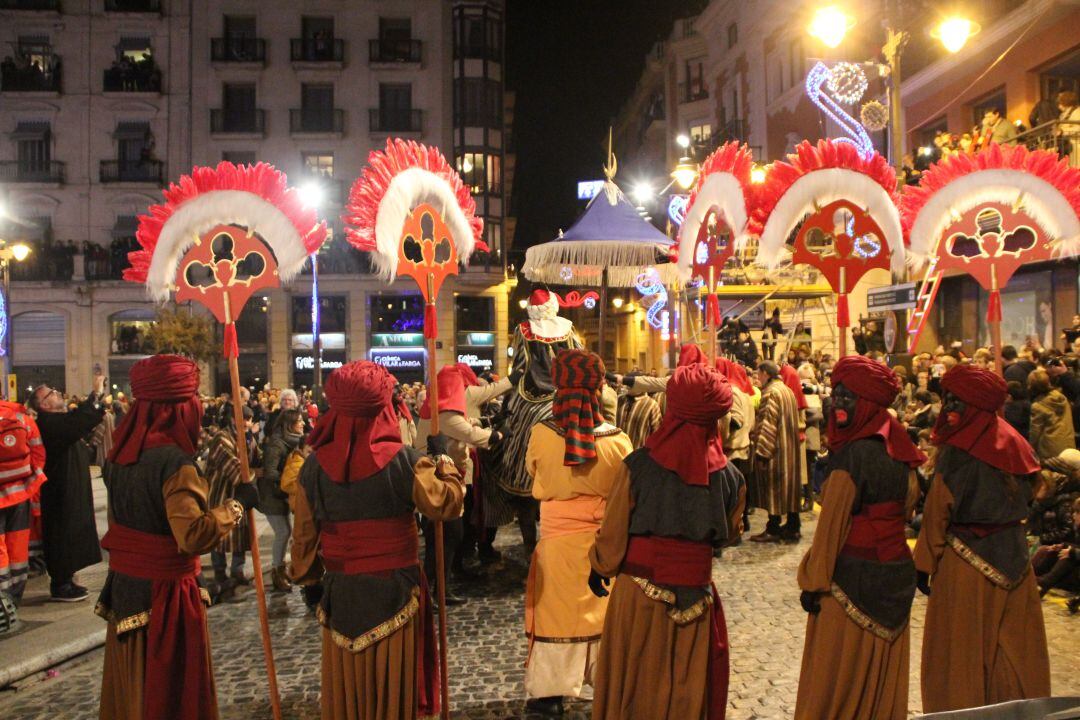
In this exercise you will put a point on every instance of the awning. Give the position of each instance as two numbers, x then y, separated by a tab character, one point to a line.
125	226
31	130
131	130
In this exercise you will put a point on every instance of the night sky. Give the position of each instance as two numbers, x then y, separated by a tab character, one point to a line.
572	65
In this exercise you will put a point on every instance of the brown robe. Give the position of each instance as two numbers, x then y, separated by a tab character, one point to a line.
196	529
848	672
371	676
654	655
985	641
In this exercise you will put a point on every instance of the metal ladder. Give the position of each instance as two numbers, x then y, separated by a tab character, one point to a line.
924	301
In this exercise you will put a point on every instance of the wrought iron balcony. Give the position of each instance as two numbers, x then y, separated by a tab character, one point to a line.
30	79
236	123
122	80
317	50
395	51
238	50
386	120
305	120
133	6
53	5
32	172
136	171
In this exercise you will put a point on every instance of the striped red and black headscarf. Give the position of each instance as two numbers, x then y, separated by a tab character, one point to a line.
578	376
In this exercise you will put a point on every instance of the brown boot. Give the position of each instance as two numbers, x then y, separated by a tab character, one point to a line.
280	580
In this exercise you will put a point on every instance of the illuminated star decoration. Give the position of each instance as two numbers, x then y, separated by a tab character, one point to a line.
874	116
816	79
847	82
649	285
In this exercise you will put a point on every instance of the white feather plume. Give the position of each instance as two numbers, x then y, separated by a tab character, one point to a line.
721	190
410	188
822	187
1049	209
223	207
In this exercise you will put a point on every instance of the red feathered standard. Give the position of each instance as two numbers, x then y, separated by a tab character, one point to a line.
392	184
1039	181
256	197
808	158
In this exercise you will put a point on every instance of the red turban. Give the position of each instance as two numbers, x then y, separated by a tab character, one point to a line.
166	411
360	434
688	440
980	431
735	373
791	379
875	386
578	376
690	354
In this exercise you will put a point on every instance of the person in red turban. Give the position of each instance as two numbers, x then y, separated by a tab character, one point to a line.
638	384
858	578
356	553
984	642
574	460
157	652
664	652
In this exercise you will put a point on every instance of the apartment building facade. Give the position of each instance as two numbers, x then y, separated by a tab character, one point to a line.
310	87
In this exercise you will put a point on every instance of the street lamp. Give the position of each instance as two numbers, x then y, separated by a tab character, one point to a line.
830	25
757	174
643	192
617	302
684	173
954	32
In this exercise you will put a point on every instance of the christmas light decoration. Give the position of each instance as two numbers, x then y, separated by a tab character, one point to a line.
847	82
874	116
676	209
566	273
649	285
815	82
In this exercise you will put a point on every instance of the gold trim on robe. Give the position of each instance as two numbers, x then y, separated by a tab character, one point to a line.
379	632
987	570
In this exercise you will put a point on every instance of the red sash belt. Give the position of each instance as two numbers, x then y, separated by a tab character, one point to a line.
967	531
177	685
369	546
877	533
669	561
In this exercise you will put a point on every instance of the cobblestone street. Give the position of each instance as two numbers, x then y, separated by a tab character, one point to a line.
487	647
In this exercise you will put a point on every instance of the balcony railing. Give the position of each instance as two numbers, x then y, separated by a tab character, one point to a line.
395	51
303	120
29	79
133	6
238	49
317	50
383	120
53	5
223	123
118	79
138	171
36	172
692	92
1061	137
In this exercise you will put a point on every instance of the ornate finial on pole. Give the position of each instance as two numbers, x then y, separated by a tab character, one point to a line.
612	164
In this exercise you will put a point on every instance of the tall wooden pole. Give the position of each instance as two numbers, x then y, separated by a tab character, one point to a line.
841	298
440	553
995	325
712	326
260	588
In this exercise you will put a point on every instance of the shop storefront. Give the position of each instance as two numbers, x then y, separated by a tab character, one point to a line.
475	332
39	346
397	335
128	331
333	320
252	333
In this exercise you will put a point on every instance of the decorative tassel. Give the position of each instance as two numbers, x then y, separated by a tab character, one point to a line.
232	346
431	328
843	319
712	311
993	307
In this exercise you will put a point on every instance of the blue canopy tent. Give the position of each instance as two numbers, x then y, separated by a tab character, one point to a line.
610	245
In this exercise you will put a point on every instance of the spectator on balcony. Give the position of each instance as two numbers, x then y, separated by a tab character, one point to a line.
996	129
1068	130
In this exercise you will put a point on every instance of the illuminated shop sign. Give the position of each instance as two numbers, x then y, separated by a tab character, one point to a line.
397	340
588	189
478	360
330	341
476	339
307	362
399	358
